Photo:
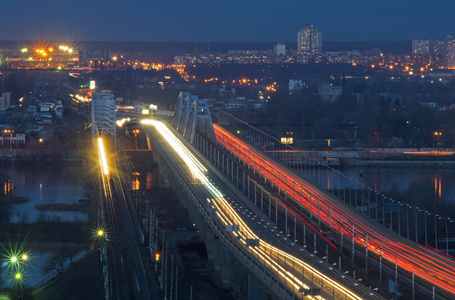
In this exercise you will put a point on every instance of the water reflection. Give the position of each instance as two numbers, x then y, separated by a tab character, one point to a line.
387	180
43	185
144	181
149	181
8	187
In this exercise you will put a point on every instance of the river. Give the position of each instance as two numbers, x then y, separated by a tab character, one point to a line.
44	184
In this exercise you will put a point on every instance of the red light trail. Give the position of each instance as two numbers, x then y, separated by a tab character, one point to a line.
437	269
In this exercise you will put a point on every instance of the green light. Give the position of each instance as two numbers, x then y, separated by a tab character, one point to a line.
59	67
14	259
18	276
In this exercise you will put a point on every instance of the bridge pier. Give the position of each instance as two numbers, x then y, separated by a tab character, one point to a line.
163	174
256	290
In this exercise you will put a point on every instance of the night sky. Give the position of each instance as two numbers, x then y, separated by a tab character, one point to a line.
233	20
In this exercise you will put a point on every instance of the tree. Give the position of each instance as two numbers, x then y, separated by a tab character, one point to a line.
55	262
20	292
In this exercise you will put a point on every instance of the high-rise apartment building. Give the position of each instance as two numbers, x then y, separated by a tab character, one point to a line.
440	49
449	53
279	49
309	41
420	47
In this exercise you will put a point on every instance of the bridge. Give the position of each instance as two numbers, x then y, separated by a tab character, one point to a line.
298	237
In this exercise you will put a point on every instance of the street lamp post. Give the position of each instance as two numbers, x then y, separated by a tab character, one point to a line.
136	131
426	239
447	233
437	135
10	131
436	231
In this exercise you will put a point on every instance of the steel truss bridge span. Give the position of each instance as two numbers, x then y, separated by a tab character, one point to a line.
428	265
286	274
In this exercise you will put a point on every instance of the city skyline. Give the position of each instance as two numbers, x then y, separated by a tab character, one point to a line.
203	20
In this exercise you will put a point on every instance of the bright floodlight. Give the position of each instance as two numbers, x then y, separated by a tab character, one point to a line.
14	259
24	257
100	233
18	276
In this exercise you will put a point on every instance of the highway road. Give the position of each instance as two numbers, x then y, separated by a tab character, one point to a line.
227	211
435	269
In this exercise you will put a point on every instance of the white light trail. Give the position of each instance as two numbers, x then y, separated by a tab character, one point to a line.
103	156
229	216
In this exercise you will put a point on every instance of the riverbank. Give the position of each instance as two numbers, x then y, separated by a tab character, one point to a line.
27	156
81	207
406	158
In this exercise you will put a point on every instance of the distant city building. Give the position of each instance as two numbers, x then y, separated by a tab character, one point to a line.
420	47
103	114
441	73
295	85
10	139
47	106
279	49
330	91
5	101
87	56
309	41
440	49
449	53
437	48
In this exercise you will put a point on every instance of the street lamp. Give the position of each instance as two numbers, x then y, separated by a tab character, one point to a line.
136	131
437	135
11	137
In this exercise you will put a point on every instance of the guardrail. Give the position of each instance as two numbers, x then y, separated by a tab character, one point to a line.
275	282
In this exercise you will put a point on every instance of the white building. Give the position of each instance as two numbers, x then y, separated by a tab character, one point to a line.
8	138
5	101
59	111
309	41
330	91
103	114
279	49
295	85
46	106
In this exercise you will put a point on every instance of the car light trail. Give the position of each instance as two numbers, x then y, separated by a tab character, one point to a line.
103	156
228	216
433	267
